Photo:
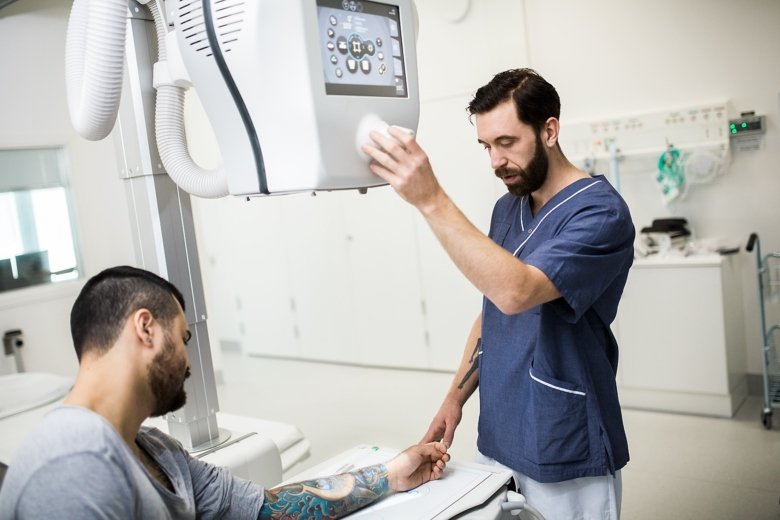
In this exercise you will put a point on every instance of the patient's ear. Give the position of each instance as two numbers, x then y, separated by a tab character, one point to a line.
143	326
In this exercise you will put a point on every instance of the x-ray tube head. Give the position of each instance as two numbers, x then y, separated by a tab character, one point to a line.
292	87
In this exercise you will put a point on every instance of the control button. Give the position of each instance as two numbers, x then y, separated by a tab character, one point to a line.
365	66
356	47
333	59
382	69
331	33
341	45
370	48
331	46
339	72
380	56
393	29
353	5
352	65
345	4
379	42
396	48
398	67
333	20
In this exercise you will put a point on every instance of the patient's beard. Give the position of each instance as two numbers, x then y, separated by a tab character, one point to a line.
166	379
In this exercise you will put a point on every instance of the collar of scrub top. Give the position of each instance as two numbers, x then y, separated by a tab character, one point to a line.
532	230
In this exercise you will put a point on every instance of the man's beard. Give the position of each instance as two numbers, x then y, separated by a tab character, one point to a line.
530	178
166	379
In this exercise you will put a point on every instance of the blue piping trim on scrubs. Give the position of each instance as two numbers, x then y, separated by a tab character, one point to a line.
216	51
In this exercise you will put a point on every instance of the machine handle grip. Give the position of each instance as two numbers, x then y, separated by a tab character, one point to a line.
751	242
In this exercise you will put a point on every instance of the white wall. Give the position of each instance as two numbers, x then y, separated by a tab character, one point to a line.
34	114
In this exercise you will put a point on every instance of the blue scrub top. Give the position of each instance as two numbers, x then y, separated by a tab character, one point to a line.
548	400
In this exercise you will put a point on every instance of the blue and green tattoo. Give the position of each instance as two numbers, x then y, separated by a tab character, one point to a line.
327	497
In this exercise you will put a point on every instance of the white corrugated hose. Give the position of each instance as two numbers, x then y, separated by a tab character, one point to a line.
94	61
171	139
94	58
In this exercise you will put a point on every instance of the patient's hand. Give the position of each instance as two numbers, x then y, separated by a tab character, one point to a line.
417	465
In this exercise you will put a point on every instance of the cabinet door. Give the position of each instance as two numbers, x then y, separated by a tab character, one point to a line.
315	242
254	258
671	330
384	280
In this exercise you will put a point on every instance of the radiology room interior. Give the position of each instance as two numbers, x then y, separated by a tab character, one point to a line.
339	312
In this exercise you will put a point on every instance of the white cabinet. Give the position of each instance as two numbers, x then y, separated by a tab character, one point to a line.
327	278
680	332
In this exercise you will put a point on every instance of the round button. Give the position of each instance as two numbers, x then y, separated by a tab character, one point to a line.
379	42
331	33
356	47
333	20
341	45
333	59
331	46
339	72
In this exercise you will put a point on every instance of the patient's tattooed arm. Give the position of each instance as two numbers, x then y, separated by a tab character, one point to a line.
327	497
334	497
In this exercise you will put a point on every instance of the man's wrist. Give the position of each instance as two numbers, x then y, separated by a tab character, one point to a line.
457	396
435	204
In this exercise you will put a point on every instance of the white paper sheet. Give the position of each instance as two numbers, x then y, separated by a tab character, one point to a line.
423	502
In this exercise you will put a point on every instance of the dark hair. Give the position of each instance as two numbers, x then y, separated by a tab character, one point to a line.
535	99
108	298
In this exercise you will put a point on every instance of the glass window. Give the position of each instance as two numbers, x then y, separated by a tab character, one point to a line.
36	233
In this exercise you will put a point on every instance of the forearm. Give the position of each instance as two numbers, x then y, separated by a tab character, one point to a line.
466	380
327	497
506	281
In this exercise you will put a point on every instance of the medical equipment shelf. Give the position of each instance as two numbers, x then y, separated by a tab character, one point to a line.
768	282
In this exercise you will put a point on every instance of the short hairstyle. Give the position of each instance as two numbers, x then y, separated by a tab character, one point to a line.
535	99
110	297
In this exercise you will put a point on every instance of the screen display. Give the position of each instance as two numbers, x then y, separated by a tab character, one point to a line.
361	48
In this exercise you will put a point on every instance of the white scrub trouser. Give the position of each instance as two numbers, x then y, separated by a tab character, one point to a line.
586	498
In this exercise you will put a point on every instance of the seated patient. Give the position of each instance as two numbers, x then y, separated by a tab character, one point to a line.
91	458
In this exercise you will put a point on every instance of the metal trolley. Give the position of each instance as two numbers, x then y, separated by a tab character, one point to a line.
768	288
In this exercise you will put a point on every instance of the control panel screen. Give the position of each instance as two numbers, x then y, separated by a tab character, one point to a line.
361	48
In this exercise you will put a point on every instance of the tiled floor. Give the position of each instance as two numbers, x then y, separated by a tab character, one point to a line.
682	467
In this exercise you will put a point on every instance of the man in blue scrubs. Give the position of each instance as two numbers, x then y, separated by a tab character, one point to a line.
552	271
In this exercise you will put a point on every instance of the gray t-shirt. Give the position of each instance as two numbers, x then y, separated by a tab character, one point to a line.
75	465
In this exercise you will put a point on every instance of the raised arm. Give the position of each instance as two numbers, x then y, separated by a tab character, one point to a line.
339	495
506	281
